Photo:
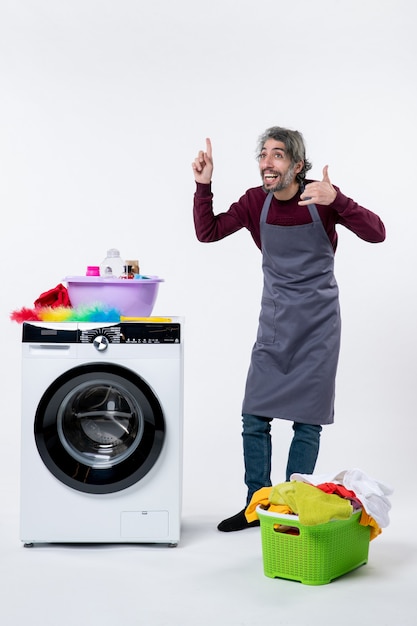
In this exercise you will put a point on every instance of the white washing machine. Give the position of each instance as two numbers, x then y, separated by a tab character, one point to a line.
102	416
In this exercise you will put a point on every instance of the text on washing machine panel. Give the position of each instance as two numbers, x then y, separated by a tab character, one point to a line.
131	333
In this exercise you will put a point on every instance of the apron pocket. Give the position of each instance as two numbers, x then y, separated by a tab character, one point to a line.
266	328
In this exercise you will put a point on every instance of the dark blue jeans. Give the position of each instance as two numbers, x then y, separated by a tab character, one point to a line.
257	451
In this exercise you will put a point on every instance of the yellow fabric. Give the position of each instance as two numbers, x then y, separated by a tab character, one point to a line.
367	520
261	498
312	505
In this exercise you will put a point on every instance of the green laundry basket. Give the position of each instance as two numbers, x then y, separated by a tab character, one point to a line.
313	555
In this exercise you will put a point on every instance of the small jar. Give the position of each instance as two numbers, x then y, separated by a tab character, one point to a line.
93	270
127	272
135	265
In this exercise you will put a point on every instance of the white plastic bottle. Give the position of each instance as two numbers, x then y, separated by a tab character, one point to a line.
112	266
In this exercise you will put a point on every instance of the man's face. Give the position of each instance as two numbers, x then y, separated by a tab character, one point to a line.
276	168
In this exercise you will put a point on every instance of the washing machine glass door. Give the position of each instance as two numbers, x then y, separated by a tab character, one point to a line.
99	428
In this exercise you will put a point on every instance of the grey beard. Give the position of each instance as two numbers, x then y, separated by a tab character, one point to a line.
284	182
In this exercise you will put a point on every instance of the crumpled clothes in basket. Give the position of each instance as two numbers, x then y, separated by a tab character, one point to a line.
261	498
312	505
371	493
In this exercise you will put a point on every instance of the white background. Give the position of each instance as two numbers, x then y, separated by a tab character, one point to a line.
104	105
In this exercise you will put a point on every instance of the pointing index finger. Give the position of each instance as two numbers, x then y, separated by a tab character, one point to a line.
209	148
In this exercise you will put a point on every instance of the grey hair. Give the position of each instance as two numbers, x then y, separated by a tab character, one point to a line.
294	146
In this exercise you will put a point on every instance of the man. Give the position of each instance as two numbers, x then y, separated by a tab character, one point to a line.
294	360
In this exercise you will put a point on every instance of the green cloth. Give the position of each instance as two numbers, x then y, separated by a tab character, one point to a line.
312	505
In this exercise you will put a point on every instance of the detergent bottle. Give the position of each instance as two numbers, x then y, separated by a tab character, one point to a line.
112	266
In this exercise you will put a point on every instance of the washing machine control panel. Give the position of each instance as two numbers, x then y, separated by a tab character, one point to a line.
102	335
132	333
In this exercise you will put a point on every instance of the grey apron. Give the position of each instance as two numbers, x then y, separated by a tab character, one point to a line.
294	360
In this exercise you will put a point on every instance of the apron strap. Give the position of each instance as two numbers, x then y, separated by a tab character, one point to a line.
265	208
314	212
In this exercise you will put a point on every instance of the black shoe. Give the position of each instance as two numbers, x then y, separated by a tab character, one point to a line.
237	522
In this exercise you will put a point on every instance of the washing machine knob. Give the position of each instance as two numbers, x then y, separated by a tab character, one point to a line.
100	343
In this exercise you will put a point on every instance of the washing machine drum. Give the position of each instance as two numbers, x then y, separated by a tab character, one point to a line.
99	428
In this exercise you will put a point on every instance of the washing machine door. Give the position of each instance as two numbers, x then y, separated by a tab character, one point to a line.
99	428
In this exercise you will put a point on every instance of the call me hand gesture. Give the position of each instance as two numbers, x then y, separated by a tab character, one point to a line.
319	192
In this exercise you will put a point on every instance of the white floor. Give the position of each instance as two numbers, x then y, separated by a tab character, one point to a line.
210	578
